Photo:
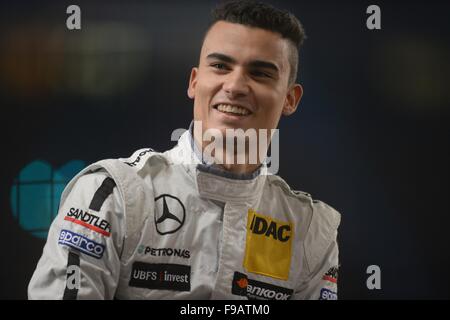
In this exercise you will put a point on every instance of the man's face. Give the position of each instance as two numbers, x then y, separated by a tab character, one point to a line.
242	79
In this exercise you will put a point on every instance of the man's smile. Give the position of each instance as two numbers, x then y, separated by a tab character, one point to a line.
232	109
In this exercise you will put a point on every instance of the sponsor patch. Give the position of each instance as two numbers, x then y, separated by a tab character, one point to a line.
170	214
161	276
164	252
326	294
81	243
257	290
268	246
136	161
331	275
89	220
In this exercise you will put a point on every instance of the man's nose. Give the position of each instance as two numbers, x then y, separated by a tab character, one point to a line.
236	84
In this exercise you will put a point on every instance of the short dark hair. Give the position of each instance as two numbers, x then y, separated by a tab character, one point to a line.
264	16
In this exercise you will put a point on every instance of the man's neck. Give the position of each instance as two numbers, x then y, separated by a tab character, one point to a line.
240	168
234	167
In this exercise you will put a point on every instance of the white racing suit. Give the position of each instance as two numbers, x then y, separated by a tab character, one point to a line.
167	226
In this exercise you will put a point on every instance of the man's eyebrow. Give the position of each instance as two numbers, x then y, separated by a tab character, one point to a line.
221	57
251	64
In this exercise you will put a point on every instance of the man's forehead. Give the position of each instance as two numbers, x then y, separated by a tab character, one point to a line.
240	41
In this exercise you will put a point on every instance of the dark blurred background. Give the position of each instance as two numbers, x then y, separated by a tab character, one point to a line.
370	138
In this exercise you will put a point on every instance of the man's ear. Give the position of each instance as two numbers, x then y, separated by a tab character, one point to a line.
192	83
293	97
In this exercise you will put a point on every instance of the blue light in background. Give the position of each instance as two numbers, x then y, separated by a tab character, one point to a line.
36	192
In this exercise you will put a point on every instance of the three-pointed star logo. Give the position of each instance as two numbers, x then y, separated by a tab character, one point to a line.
170	217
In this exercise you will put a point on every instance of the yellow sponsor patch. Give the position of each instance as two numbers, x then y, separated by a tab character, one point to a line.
268	246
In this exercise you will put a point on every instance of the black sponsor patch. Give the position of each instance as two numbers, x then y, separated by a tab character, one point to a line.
257	290
161	276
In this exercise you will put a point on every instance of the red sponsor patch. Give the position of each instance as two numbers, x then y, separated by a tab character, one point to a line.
87	225
331	275
331	279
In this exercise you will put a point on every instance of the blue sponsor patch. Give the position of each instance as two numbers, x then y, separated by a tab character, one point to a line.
81	243
326	294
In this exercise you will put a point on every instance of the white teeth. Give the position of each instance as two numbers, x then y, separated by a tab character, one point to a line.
232	109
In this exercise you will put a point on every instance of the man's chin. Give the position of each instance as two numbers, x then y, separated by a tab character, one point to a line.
223	126
210	127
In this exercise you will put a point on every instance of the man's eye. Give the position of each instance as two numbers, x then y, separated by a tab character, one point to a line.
219	66
261	74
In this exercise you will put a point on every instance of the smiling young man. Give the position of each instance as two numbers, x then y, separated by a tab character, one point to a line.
246	74
182	225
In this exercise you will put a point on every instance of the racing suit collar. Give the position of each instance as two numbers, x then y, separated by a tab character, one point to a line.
212	181
217	184
207	165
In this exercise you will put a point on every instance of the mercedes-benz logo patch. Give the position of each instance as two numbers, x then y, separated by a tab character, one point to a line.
169	214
